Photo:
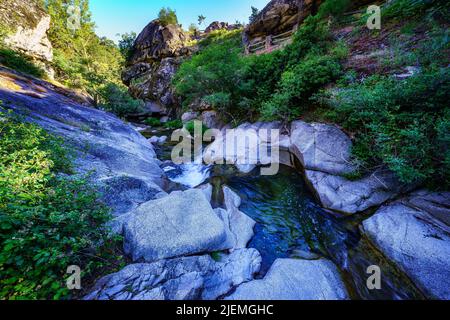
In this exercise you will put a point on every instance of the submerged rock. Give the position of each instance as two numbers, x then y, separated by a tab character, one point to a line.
188	278
412	233
290	279
182	223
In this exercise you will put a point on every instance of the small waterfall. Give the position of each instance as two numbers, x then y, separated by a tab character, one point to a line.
190	175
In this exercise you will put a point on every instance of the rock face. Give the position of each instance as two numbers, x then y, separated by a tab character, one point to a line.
189	278
27	24
414	233
281	16
119	159
157	53
290	279
181	224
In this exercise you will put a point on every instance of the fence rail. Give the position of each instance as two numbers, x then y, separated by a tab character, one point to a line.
271	43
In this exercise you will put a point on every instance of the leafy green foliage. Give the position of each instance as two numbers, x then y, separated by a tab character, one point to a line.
47	221
190	127
126	44
215	74
174	124
167	16
298	84
404	124
334	8
399	9
153	122
85	61
117	100
272	86
19	62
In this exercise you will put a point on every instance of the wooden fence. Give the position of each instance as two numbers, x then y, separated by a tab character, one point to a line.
271	43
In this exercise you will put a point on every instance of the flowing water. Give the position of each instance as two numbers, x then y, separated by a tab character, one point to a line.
291	224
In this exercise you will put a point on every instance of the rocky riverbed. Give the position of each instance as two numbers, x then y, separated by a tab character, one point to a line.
215	241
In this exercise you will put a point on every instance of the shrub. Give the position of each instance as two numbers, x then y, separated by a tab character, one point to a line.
116	99
174	124
153	122
297	86
190	127
167	16
19	62
215	74
404	124
47	221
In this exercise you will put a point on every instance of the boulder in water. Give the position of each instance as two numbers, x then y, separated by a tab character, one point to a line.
413	232
188	278
290	279
180	224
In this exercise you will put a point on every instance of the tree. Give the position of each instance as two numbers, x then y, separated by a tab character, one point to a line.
255	12
193	29
168	16
126	44
201	19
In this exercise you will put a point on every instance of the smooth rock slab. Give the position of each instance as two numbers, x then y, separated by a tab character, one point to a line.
290	279
321	147
343	195
189	278
182	223
416	241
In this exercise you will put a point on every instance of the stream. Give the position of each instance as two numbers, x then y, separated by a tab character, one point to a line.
291	224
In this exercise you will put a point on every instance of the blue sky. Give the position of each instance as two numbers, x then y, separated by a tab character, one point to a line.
120	16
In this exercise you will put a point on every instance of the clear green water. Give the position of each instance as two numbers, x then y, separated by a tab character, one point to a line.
290	224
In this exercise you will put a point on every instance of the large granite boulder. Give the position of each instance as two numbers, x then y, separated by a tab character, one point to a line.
414	233
188	278
26	24
240	225
324	151
180	224
346	196
156	55
290	279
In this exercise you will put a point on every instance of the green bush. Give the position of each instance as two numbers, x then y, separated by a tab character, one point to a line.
153	122
19	62
404	124
48	221
190	127
167	16
237	85
297	86
174	124
215	74
116	99
399	9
